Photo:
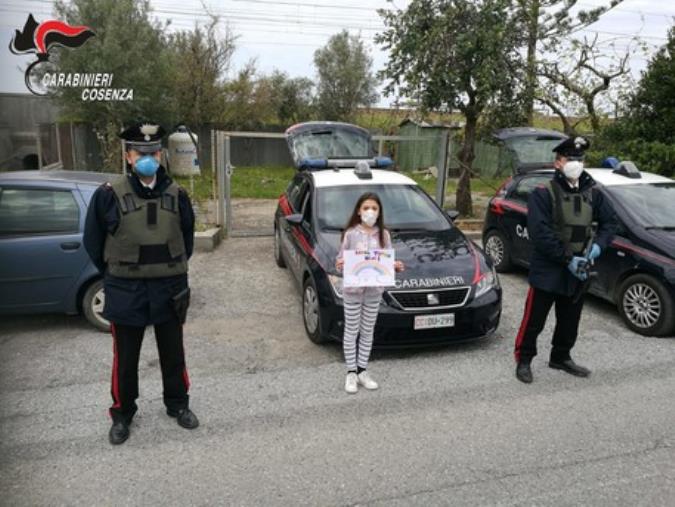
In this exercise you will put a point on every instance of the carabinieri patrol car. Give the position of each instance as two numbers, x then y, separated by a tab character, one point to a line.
636	272
449	291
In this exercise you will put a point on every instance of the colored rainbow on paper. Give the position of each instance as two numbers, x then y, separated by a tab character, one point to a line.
370	264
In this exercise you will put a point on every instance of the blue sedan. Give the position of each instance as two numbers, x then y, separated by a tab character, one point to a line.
44	267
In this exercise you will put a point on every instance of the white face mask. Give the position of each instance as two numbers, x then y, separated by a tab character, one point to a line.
369	217
573	169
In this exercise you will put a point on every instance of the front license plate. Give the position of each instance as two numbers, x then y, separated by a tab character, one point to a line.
433	321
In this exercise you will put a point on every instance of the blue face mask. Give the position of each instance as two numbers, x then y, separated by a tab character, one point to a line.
147	165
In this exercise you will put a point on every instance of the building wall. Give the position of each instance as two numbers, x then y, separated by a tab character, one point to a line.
20	114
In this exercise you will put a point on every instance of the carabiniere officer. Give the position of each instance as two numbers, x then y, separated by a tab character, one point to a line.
139	232
559	223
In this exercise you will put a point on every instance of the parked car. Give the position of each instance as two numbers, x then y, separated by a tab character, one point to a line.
636	272
44	267
449	291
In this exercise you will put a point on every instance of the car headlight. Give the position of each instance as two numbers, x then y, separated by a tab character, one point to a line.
487	281
336	283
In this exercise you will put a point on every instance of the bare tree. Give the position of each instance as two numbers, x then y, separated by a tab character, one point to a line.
545	23
574	84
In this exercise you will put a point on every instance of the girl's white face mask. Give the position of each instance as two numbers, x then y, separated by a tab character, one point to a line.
369	217
573	169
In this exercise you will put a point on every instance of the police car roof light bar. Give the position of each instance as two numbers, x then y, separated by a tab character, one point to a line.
362	170
628	169
313	163
337	163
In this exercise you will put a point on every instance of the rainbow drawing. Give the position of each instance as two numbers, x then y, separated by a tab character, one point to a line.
370	267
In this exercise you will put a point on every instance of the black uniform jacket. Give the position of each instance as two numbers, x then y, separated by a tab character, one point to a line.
549	259
135	302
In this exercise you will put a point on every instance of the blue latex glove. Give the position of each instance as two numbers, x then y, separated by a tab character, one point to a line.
574	265
594	253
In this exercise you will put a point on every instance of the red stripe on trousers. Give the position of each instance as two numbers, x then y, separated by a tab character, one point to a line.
115	378
524	323
186	377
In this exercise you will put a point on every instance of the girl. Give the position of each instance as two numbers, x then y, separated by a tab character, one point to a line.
365	230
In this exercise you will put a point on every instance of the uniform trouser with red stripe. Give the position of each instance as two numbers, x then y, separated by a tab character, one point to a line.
537	307
127	342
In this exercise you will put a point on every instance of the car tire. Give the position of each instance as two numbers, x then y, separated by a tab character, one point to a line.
646	306
496	248
311	315
92	306
278	256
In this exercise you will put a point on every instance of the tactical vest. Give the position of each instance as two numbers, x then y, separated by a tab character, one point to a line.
572	216
148	242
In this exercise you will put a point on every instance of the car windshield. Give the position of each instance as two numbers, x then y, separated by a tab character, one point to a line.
651	205
406	207
533	150
331	144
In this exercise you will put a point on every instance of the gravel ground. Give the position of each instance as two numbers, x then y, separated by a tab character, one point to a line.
448	426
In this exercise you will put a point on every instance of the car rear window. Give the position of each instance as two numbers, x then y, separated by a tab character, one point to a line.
331	143
528	184
530	150
37	211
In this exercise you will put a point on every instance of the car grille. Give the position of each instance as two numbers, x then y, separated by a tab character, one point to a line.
420	299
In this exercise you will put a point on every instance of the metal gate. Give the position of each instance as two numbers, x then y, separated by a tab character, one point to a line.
246	217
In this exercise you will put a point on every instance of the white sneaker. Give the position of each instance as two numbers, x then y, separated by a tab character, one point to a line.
366	381
351	384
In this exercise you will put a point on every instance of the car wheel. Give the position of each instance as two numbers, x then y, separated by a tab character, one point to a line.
92	306
311	315
496	247
278	256
646	306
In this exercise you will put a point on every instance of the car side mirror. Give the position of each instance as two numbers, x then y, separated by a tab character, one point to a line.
295	219
453	214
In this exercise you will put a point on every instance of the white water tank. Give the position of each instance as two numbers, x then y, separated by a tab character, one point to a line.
183	157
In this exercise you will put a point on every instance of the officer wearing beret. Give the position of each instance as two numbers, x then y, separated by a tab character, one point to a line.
139	232
559	223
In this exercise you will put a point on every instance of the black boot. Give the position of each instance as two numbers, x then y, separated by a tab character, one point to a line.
570	367
185	418
524	372
119	432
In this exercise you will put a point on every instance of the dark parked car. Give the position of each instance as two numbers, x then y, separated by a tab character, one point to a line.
43	265
636	272
449	291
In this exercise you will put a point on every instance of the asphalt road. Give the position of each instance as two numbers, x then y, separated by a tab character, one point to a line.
450	426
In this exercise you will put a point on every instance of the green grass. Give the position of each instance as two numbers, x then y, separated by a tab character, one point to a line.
261	182
270	182
250	182
202	185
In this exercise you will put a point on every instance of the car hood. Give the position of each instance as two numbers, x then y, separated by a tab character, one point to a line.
432	259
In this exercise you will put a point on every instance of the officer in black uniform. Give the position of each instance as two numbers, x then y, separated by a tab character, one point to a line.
560	218
139	232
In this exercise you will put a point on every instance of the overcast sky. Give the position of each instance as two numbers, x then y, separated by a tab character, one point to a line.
284	34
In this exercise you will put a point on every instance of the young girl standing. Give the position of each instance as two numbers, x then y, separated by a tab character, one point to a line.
365	230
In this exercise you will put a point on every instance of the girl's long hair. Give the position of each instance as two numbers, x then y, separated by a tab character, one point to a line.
354	220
